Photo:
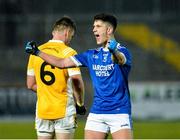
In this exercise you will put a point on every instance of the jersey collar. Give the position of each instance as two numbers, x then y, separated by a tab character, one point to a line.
59	41
105	49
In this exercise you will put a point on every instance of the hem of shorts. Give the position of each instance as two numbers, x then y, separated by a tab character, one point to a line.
110	112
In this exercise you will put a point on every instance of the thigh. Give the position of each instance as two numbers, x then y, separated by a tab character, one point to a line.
44	128
122	134
64	135
89	134
65	127
120	125
95	127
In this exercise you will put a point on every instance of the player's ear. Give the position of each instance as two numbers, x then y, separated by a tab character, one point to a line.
109	30
66	32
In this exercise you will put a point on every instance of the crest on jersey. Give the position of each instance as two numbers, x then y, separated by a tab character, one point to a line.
95	56
105	55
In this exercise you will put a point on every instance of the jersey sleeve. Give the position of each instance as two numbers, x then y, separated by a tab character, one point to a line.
127	55
30	68
81	59
68	52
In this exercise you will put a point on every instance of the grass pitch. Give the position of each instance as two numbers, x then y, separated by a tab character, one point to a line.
142	130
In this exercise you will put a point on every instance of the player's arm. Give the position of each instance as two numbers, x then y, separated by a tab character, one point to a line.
78	88
78	91
31	83
57	62
118	56
31	48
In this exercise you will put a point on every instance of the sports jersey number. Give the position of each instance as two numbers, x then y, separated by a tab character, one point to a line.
44	73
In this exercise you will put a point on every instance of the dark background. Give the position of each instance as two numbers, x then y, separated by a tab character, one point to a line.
24	20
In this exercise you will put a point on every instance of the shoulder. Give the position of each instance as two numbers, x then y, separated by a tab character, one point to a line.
122	48
95	50
88	53
68	50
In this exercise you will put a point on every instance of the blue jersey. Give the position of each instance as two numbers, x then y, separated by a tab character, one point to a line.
111	94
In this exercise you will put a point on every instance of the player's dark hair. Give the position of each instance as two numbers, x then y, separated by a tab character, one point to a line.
66	22
107	18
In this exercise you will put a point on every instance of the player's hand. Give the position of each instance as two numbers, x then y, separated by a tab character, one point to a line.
112	45
81	110
31	48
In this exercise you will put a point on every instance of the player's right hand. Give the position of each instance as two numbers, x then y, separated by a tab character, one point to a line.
81	110
31	48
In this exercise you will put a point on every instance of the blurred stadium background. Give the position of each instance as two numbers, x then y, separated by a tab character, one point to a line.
150	29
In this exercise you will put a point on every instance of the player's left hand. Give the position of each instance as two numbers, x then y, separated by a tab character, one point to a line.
112	45
81	110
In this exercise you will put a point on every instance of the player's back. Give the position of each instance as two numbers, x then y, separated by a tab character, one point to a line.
53	89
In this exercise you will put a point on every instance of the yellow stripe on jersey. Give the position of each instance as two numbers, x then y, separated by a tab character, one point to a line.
52	83
67	51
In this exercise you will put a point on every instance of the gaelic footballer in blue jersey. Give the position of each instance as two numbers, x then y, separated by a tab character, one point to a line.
110	91
111	108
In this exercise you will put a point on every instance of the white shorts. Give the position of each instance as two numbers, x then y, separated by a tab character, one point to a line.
49	127
108	122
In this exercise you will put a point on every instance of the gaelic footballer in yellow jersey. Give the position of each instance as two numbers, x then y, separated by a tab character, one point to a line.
54	88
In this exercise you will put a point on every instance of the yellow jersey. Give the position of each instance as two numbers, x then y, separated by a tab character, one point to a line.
54	89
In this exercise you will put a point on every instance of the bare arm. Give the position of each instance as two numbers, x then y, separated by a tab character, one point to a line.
31	48
119	57
57	62
31	83
78	88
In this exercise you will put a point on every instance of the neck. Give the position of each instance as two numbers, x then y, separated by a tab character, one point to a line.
58	38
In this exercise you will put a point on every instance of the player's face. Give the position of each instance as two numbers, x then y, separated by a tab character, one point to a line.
100	31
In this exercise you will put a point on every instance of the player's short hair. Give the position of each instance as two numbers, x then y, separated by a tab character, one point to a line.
111	19
64	22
